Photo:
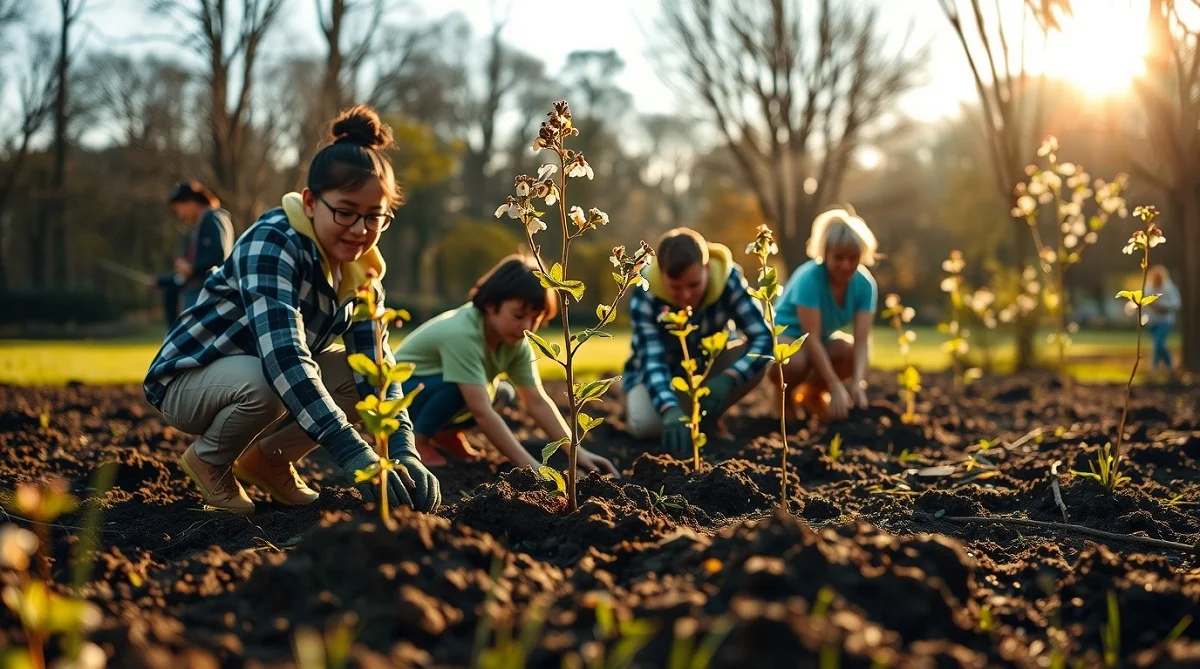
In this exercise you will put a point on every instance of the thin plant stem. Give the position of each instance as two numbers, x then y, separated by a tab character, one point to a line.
1137	359
783	496
381	440
563	301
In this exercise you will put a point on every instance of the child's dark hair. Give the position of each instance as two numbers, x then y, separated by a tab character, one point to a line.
193	191
512	279
679	249
355	156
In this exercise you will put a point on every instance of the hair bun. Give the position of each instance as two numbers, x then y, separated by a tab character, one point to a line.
360	125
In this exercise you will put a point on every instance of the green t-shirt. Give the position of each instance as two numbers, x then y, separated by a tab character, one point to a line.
452	345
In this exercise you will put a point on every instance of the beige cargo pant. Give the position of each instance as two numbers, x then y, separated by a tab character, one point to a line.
642	419
230	405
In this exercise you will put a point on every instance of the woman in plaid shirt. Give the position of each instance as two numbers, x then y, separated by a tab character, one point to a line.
253	367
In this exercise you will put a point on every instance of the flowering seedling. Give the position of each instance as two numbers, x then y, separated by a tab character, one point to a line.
953	286
909	379
1107	467
42	613
379	414
692	381
763	247
981	303
1057	183
574	223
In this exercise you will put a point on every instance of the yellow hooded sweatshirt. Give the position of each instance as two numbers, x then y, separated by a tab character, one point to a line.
720	266
354	274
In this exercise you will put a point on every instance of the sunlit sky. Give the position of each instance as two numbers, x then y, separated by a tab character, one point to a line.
1100	49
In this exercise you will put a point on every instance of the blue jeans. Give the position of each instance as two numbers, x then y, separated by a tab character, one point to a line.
1159	333
440	405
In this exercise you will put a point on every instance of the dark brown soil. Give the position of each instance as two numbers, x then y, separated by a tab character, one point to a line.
867	566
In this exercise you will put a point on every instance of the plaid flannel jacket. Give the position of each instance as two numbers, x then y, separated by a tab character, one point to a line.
270	299
657	355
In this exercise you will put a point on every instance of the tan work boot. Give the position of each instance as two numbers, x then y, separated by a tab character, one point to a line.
216	483
275	475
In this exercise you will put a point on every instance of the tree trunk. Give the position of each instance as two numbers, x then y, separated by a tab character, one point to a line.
58	178
1188	225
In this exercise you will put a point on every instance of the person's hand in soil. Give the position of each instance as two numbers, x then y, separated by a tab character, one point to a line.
425	491
719	389
858	395
676	437
839	402
590	462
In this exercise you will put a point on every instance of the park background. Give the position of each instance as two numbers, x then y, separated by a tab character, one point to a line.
921	114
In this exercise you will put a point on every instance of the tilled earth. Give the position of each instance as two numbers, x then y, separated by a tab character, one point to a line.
874	565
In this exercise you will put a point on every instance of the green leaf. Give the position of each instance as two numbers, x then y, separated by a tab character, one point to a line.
784	351
780	329
1131	295
592	390
679	384
1149	299
398	372
575	288
910	378
364	475
602	311
550	448
555	280
549	350
715	344
587	423
551	474
619	279
701	440
365	367
392	408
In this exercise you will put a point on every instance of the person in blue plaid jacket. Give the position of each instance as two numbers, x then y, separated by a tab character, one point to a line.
253	367
690	272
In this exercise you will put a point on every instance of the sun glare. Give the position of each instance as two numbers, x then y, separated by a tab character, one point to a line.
1101	48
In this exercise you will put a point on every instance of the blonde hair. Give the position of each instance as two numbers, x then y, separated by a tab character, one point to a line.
839	228
1157	275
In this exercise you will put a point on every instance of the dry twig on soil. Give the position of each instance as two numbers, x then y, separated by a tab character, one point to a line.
1064	527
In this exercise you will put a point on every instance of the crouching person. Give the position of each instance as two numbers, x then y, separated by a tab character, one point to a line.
458	357
829	292
253	368
690	272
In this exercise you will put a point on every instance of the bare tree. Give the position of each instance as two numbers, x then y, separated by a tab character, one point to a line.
1168	157
348	43
791	95
57	223
1011	108
37	96
505	72
231	49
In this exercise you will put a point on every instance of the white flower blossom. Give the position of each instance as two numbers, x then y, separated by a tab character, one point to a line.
1026	204
534	225
577	216
546	170
598	216
890	301
1036	187
522	189
1070	241
580	168
907	315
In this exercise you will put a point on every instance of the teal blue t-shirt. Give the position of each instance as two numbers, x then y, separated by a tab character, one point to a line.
809	287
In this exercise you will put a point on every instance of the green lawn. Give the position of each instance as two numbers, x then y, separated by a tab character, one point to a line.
1097	357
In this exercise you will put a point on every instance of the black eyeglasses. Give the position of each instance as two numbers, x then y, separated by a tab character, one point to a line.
348	218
